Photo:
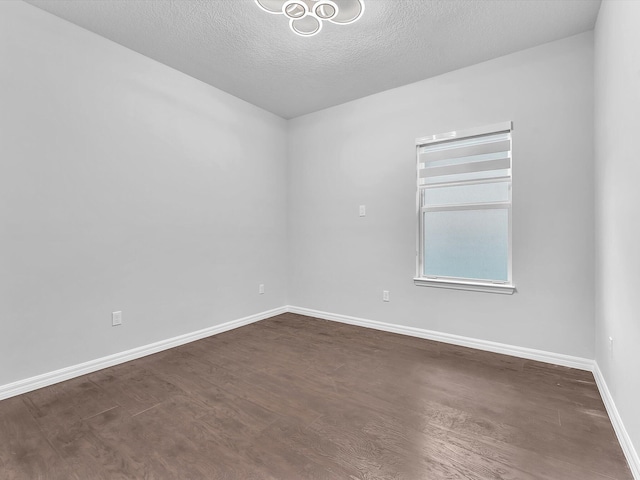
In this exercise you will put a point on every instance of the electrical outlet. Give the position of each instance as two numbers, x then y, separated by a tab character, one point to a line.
363	210
261	289
385	295
116	318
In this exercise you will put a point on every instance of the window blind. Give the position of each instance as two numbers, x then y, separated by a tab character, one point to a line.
466	160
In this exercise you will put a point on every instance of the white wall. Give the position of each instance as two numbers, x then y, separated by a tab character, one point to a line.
617	154
363	152
125	185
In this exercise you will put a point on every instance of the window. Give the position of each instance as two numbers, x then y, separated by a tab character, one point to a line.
464	210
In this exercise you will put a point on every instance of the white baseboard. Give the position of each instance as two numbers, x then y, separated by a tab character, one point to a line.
522	352
623	436
46	379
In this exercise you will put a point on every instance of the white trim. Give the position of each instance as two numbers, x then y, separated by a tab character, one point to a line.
505	349
46	379
503	288
621	432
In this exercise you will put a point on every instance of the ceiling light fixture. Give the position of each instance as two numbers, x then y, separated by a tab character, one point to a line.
306	16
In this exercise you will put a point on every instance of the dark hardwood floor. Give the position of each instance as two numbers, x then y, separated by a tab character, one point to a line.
299	398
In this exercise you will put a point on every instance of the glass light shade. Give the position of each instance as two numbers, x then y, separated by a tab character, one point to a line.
306	26
325	11
295	9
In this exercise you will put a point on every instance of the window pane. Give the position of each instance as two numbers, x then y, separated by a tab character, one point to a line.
481	193
467	244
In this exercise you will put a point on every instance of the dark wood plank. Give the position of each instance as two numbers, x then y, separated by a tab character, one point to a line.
24	451
135	389
66	403
299	398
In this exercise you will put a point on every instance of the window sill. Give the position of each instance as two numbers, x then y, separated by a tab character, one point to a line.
502	288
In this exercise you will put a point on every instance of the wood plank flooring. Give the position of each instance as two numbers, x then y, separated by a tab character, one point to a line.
299	398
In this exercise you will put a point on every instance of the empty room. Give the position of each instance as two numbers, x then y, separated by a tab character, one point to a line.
319	239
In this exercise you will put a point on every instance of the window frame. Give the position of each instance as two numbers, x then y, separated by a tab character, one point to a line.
461	283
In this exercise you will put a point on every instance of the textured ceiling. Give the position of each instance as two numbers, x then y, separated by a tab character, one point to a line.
236	47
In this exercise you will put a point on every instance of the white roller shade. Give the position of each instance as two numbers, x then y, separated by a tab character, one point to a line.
468	158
